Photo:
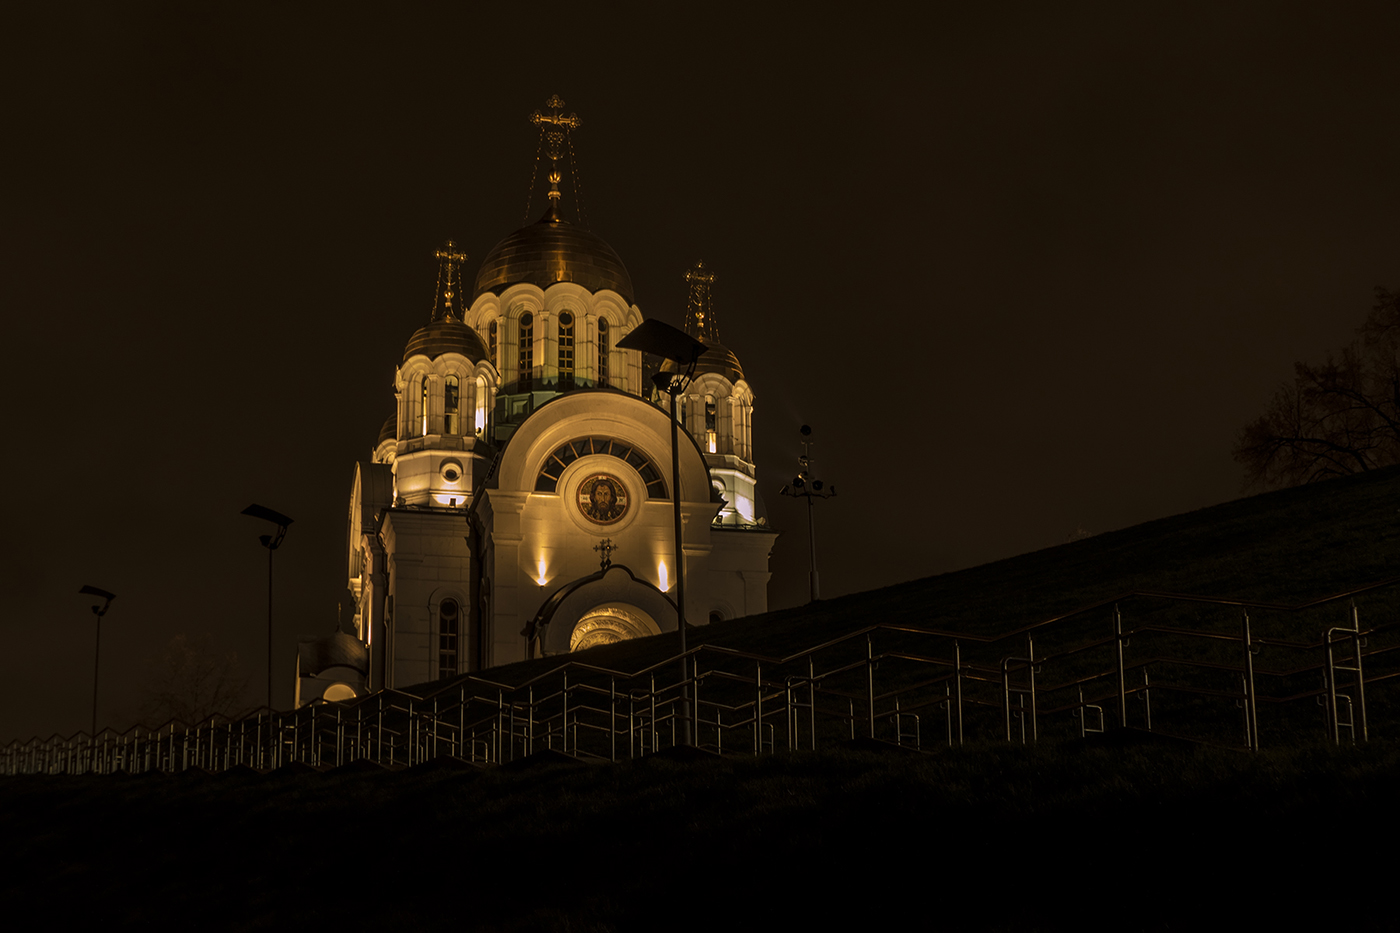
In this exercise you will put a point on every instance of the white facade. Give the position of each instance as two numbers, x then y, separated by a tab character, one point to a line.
519	500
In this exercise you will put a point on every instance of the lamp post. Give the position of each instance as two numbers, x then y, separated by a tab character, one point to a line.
805	486
272	542
653	336
98	611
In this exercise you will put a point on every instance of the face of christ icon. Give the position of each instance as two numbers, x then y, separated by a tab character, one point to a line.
602	499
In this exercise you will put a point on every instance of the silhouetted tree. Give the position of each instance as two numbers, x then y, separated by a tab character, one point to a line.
1337	418
192	680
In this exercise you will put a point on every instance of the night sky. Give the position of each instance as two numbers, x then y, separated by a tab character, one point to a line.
1025	271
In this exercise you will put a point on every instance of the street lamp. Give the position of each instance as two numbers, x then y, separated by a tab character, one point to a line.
271	542
653	336
804	485
98	611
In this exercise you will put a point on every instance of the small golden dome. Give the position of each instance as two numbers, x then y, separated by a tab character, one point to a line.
389	431
439	337
717	358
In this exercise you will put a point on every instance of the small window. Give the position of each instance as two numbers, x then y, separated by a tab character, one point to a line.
448	630
602	351
423	409
527	352
451	404
711	419
566	350
493	337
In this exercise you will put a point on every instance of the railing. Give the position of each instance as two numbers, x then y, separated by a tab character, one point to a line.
1064	677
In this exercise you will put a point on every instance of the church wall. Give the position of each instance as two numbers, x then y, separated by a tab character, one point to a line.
429	561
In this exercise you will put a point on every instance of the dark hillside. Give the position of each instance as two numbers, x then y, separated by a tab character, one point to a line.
1276	550
1288	546
1124	831
994	838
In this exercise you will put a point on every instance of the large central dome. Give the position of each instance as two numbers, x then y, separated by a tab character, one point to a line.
553	251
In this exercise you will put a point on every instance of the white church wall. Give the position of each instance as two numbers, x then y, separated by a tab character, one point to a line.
429	558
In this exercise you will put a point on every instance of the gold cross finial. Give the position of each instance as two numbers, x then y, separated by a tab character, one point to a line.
558	125
449	284
700	320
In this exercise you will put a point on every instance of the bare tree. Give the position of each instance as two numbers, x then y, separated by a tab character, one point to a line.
1337	418
191	680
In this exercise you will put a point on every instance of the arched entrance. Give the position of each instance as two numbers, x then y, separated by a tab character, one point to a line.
606	625
613	603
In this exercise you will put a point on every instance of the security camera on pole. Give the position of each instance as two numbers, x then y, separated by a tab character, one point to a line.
806	486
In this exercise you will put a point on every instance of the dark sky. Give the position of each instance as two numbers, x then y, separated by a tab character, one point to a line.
1023	271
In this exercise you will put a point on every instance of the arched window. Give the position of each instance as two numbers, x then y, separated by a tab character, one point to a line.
527	351
566	350
480	405
493	338
449	626
451	405
423	409
602	351
557	462
711	420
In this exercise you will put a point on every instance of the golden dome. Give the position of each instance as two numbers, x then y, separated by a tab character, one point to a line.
439	337
717	358
389	431
551	251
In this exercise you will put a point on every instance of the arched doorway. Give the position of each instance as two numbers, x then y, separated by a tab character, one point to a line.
606	625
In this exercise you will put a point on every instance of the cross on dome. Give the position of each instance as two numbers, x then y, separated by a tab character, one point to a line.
449	283
700	320
556	133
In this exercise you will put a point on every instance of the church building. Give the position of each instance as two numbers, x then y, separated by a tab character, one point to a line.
519	500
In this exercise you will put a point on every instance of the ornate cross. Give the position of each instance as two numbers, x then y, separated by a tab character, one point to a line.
561	124
450	261
700	320
605	547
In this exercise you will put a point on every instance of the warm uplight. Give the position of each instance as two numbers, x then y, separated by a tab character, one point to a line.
540	578
662	576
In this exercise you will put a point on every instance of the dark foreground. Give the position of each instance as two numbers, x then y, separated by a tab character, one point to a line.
1142	837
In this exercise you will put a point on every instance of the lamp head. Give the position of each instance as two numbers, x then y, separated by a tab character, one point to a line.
271	542
653	336
102	594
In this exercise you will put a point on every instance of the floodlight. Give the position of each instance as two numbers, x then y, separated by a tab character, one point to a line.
806	486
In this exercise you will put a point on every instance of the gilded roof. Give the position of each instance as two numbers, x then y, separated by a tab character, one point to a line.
389	431
717	358
550	251
439	337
